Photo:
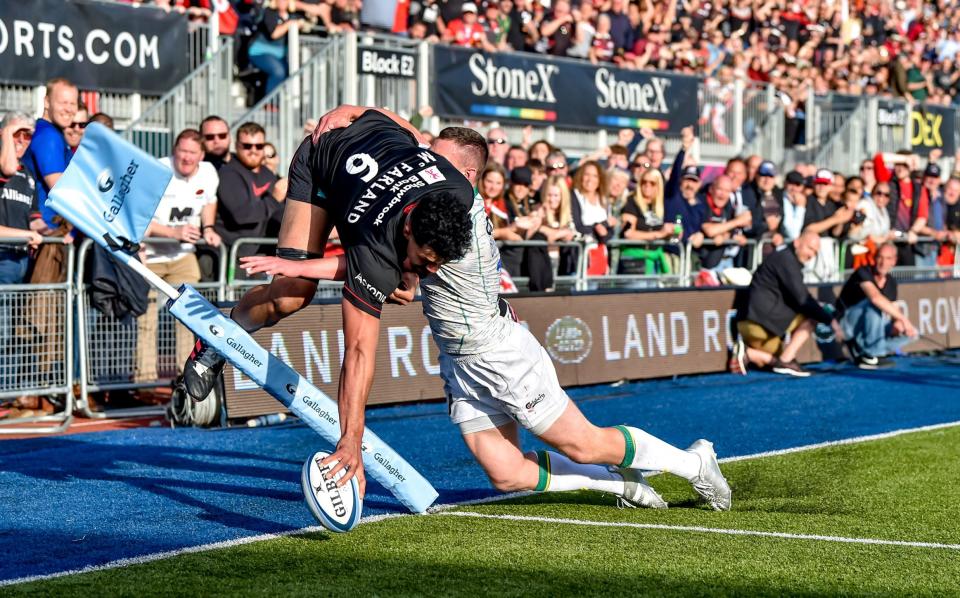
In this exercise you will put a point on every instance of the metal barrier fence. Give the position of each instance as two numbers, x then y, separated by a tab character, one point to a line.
675	277
205	91
565	282
235	286
36	344
130	354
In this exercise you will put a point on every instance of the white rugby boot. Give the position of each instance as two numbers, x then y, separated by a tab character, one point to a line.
710	484
638	492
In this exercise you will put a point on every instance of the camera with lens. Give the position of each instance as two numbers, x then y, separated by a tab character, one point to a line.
859	216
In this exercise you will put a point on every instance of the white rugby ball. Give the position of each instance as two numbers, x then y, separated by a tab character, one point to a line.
336	508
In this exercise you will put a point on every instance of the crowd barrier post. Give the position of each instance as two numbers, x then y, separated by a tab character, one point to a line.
752	244
46	364
901	272
109	349
616	247
235	287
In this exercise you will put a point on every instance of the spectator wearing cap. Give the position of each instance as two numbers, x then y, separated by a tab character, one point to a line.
466	31
909	205
927	253
770	197
793	207
826	218
497	146
48	154
18	202
686	205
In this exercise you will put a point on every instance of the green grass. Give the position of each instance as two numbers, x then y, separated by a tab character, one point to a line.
902	488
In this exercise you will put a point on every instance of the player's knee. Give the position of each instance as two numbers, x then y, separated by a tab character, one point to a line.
507	482
581	451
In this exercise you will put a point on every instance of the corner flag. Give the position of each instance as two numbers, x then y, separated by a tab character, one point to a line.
110	191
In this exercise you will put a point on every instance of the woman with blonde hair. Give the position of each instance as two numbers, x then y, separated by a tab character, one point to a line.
642	219
557	224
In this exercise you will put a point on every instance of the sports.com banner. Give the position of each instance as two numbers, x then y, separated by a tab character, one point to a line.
569	93
931	127
592	339
98	46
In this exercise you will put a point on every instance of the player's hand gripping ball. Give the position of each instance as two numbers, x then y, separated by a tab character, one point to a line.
336	508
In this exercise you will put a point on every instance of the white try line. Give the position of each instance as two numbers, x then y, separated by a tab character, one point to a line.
704	530
438	509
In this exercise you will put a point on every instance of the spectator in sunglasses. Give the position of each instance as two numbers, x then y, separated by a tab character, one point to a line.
215	133
246	204
497	146
74	132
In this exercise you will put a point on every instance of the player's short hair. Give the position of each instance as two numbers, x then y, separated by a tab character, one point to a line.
190	134
471	142
250	128
443	224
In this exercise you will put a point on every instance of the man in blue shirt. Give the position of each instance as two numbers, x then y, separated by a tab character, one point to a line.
48	154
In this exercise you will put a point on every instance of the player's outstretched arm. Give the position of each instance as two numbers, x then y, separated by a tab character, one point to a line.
327	268
361	332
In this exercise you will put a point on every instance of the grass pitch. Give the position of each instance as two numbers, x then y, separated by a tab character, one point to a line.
897	489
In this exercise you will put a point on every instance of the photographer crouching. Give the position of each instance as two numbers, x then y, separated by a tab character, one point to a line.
873	325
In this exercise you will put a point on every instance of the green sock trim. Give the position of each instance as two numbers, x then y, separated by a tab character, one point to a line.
631	448
543	460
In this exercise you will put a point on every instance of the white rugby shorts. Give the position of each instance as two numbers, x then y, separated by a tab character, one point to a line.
516	381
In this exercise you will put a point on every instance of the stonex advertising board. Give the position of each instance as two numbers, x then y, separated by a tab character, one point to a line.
97	45
592	338
562	92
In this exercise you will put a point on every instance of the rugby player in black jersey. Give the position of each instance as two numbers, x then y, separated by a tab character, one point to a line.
397	207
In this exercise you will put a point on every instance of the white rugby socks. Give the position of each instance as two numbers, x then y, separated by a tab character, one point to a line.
558	473
649	453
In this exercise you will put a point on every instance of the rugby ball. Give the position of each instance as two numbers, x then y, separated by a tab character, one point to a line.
336	508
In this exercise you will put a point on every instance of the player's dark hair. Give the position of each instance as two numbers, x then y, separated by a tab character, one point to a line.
212	119
469	141
442	223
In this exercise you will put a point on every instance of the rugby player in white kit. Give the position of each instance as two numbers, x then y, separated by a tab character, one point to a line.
498	377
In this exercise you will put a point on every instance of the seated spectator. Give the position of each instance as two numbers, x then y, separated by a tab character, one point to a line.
74	133
873	324
467	31
268	51
216	141
722	225
643	221
778	303
186	212
246	206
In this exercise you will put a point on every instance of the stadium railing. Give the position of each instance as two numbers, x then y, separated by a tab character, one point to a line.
37	344
575	281
902	273
236	285
108	348
752	246
615	279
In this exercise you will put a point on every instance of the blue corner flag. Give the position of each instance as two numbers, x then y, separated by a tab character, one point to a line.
110	191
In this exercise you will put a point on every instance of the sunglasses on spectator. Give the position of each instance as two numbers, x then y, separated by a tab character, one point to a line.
640	165
882	193
23	134
496	141
557	166
82	125
648	182
867	167
253	146
212	136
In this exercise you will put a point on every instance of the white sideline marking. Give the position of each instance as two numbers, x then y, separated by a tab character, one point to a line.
706	530
438	509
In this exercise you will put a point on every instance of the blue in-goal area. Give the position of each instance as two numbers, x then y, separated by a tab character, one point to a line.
88	499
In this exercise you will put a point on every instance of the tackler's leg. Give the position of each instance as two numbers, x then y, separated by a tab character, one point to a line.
303	235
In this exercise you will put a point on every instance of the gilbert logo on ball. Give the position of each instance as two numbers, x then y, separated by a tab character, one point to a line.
336	508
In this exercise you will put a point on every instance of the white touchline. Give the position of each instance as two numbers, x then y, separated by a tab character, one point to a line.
441	509
705	530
